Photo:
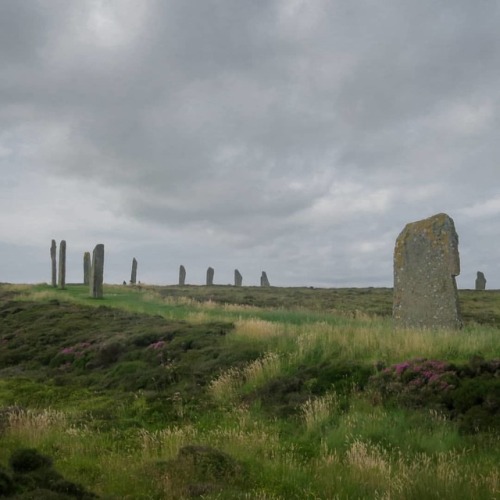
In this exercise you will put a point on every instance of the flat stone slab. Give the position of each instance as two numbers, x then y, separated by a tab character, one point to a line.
426	261
480	281
210	276
87	267
264	281
62	264
182	275
238	278
97	272
53	259
133	273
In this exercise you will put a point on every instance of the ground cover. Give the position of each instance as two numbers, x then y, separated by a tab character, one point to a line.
178	392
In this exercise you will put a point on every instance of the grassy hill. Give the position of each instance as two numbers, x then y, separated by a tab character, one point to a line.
224	392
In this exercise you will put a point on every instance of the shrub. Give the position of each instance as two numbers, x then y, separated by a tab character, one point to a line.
199	470
34	478
284	395
6	482
109	353
478	418
416	383
28	459
468	393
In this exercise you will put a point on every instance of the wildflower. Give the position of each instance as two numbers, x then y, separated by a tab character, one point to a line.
157	345
401	367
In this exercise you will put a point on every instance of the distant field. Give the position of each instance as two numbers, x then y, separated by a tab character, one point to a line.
477	306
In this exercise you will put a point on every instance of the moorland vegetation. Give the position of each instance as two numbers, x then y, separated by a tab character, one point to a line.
244	392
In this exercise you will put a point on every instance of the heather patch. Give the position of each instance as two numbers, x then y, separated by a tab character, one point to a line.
468	393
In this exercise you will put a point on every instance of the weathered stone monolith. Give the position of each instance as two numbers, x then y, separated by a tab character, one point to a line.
210	276
97	273
480	281
263	279
133	274
62	264
426	261
238	278
86	268
53	259
182	275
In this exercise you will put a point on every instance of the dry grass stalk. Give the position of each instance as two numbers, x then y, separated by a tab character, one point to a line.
318	410
165	443
225	386
32	425
263	368
258	329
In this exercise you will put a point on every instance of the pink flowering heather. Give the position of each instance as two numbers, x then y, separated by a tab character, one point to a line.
78	349
416	380
400	367
157	345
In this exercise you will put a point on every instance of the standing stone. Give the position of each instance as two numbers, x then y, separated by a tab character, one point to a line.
182	276
86	268
53	258
210	276
426	262
480	281
238	278
62	264
263	279
133	275
97	273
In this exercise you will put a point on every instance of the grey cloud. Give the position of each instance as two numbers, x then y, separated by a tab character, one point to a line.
24	26
246	118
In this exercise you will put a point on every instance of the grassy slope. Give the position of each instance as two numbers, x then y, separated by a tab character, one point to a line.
272	376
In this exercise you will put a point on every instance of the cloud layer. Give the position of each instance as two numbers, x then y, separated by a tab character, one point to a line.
296	137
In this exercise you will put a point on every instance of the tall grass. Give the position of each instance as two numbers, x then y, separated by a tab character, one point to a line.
332	447
368	453
317	411
372	340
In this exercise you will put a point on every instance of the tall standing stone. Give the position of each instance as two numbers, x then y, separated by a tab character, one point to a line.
53	259
238	278
480	281
210	276
62	264
97	274
182	275
426	261
263	279
86	268
133	274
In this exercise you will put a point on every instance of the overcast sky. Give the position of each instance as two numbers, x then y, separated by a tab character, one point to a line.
296	137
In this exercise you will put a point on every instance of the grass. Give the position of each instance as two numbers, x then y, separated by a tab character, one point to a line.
270	388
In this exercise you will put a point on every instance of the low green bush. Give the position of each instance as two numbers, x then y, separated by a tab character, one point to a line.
33	477
283	395
28	459
6	482
468	393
